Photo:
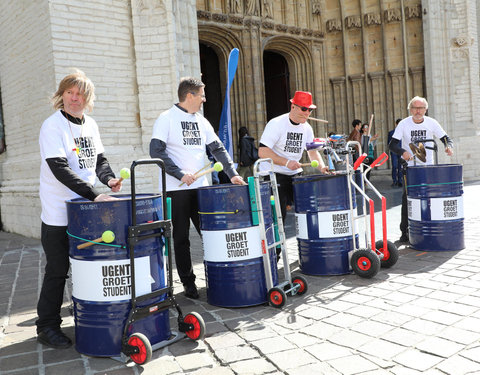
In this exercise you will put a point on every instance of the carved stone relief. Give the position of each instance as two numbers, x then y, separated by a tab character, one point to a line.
353	22
393	15
372	19
413	11
334	25
268	9
235	6
316	8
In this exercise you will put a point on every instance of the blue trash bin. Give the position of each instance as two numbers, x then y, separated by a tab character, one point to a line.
101	273
233	261
435	207
324	223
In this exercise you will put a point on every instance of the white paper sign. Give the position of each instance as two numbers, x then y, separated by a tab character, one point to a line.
301	226
446	208
109	280
334	224
414	209
231	245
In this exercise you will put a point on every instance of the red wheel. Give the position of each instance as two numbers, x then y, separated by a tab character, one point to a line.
144	348
198	331
390	255
276	297
365	263
300	280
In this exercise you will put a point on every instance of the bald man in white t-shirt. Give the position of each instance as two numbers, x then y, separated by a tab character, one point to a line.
415	128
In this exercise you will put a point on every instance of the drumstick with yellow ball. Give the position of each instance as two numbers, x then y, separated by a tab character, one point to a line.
313	164
124	174
217	167
107	237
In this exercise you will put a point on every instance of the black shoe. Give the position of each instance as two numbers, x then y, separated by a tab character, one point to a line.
399	184
191	291
404	238
54	338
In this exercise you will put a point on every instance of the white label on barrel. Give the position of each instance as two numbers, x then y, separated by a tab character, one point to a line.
301	226
414	207
450	208
334	224
109	280
231	245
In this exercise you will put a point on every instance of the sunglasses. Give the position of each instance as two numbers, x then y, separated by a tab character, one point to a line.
305	109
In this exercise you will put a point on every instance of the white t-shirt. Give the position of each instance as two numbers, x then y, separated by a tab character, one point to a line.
57	140
408	131
286	140
186	136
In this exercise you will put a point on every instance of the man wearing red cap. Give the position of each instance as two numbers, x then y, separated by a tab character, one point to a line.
284	139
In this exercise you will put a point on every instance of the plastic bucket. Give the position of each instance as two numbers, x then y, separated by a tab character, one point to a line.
234	271
323	223
435	207
101	273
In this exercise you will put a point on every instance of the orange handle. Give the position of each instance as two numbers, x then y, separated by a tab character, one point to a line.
359	161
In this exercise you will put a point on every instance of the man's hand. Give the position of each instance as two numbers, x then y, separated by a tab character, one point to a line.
104	198
449	151
293	165
407	156
115	184
238	180
188	178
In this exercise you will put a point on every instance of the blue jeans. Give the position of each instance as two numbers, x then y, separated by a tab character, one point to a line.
396	168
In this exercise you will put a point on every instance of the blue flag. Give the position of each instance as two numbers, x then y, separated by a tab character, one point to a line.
225	127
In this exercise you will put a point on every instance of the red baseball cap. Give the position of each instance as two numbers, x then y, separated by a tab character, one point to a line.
303	99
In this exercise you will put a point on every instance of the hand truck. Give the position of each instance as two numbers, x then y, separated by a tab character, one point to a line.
366	262
137	346
276	295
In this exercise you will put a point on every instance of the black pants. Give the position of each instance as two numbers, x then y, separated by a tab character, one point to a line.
404	219
184	208
55	246
285	192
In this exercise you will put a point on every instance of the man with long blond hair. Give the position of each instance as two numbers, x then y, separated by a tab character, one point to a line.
71	158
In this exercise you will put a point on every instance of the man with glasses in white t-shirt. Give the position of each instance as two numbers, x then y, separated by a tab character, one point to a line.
415	128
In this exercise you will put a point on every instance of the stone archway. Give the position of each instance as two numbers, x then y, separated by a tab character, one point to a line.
222	41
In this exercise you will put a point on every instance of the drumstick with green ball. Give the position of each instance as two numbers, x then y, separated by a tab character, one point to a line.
124	174
313	164
217	167
108	236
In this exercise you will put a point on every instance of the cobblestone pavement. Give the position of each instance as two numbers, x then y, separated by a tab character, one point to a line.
420	316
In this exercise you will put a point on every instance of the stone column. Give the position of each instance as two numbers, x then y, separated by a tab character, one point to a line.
340	111
452	76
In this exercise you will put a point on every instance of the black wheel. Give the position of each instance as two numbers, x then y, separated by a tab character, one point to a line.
277	297
365	263
390	256
198	331
144	348
300	280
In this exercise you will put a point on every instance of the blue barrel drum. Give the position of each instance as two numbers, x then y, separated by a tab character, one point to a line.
324	223
101	273
435	207
233	261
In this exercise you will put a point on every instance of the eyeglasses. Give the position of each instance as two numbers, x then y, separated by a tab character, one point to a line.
415	108
195	94
305	109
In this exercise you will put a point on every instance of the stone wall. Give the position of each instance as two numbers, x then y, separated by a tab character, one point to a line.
134	52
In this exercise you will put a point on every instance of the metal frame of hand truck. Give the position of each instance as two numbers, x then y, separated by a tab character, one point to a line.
383	253
277	295
137	346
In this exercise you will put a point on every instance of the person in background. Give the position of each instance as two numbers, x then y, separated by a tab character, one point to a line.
396	167
416	127
370	147
72	156
248	153
181	136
